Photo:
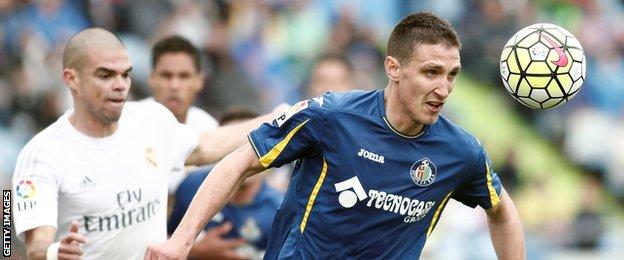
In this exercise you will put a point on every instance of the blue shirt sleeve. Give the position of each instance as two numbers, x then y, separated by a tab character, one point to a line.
482	187
293	135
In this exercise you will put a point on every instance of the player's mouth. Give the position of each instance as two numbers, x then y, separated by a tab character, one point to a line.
173	102
435	106
116	101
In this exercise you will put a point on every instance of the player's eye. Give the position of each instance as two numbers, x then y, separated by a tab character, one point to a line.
165	75
185	75
127	75
431	72
104	76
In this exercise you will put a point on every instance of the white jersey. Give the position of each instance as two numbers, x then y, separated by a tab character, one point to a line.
200	121
115	187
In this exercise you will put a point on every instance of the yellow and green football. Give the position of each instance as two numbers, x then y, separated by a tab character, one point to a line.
542	66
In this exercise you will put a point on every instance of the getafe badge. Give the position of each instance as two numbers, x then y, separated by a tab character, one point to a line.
150	157
423	172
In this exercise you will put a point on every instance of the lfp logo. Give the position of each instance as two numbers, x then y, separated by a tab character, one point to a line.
25	189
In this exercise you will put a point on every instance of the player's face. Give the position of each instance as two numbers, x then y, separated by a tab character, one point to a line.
104	83
330	76
175	82
427	80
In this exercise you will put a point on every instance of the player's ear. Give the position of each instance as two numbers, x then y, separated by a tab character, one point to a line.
70	77
393	67
201	79
151	81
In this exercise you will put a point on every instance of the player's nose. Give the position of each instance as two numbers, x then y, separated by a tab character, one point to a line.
175	83
443	91
120	84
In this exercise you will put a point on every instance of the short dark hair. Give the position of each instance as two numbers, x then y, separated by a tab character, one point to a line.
173	44
419	28
237	114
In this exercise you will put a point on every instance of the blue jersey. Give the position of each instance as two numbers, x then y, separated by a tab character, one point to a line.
360	189
251	222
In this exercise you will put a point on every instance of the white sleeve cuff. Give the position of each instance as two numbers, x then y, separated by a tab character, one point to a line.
52	253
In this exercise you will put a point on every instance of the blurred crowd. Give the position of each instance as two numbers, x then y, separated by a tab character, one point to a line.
258	54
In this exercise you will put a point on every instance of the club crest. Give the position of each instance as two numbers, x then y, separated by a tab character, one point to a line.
423	172
150	157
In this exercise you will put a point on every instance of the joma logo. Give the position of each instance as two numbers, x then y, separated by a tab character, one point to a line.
370	155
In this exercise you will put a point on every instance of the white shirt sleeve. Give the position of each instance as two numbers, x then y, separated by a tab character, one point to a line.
36	186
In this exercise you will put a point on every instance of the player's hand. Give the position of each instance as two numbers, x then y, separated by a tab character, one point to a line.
214	246
71	244
169	250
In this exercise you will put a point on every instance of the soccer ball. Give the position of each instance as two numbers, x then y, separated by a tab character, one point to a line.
543	66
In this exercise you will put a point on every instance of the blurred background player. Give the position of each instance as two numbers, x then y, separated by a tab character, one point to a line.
175	81
330	72
96	179
177	78
241	229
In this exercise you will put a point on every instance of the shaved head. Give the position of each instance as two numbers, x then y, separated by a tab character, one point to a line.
76	50
96	68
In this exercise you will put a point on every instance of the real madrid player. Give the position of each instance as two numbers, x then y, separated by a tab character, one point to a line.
94	184
375	169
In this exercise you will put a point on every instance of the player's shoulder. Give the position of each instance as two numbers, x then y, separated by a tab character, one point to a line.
329	104
147	111
200	119
145	106
45	143
200	113
365	102
452	132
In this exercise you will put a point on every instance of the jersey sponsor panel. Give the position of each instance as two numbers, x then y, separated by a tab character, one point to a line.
351	191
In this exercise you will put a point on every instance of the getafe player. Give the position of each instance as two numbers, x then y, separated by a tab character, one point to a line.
374	169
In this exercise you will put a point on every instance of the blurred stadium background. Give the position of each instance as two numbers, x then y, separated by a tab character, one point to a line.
563	167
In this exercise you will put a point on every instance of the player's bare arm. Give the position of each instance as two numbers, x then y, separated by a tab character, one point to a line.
40	243
506	229
217	143
38	240
214	192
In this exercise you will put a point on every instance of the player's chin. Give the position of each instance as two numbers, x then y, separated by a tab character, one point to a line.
112	115
430	118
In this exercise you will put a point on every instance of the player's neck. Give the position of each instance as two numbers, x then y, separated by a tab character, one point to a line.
398	116
182	117
90	125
